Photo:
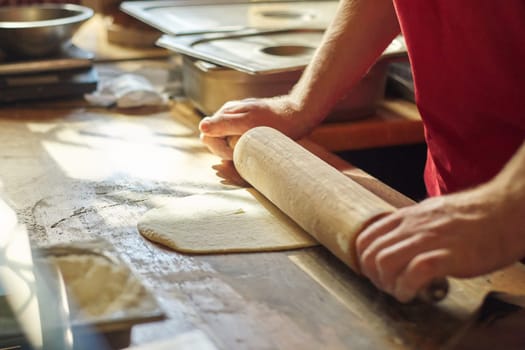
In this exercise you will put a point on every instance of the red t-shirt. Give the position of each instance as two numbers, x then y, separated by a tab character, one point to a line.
468	62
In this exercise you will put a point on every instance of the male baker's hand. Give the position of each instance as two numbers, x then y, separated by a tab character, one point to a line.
236	117
462	235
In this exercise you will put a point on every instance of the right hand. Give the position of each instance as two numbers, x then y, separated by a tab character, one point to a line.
236	117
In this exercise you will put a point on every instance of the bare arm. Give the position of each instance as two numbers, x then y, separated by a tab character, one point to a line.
465	234
359	33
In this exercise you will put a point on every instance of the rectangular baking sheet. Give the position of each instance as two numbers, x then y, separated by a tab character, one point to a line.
201	16
251	52
79	290
259	52
145	310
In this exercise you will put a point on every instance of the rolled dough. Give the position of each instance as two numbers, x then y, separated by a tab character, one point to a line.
223	222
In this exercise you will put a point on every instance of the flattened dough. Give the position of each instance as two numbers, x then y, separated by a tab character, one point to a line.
223	222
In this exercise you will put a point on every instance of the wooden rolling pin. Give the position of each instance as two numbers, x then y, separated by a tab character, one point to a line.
324	202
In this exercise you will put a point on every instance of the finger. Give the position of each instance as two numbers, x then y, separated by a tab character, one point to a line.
225	124
226	170
375	230
238	106
420	272
369	257
367	237
392	259
230	106
218	146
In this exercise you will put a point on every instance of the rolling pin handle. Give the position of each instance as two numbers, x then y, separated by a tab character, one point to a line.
435	291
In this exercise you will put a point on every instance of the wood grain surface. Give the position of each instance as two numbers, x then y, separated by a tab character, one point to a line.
76	174
73	173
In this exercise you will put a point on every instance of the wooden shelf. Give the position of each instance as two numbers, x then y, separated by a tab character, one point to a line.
396	122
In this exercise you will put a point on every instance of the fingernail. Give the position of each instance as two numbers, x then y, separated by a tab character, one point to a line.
204	125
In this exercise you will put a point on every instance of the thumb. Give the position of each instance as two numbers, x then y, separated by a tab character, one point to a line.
221	125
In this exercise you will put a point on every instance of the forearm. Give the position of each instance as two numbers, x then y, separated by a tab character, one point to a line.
359	33
511	179
508	192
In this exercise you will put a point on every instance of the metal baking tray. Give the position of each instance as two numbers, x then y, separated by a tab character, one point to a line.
115	323
209	86
78	295
259	52
182	17
147	309
251	51
239	67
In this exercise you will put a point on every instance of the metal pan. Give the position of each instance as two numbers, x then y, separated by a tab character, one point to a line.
209	86
259	52
221	67
203	16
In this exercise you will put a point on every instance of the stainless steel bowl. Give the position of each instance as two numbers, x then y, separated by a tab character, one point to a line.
40	30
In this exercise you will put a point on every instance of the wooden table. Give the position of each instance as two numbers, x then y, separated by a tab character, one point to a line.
74	172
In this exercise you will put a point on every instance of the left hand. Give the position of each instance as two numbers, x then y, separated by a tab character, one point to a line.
236	117
462	235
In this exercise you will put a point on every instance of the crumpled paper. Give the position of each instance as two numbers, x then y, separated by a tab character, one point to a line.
126	91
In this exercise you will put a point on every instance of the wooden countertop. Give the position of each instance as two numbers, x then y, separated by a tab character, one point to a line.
75	173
